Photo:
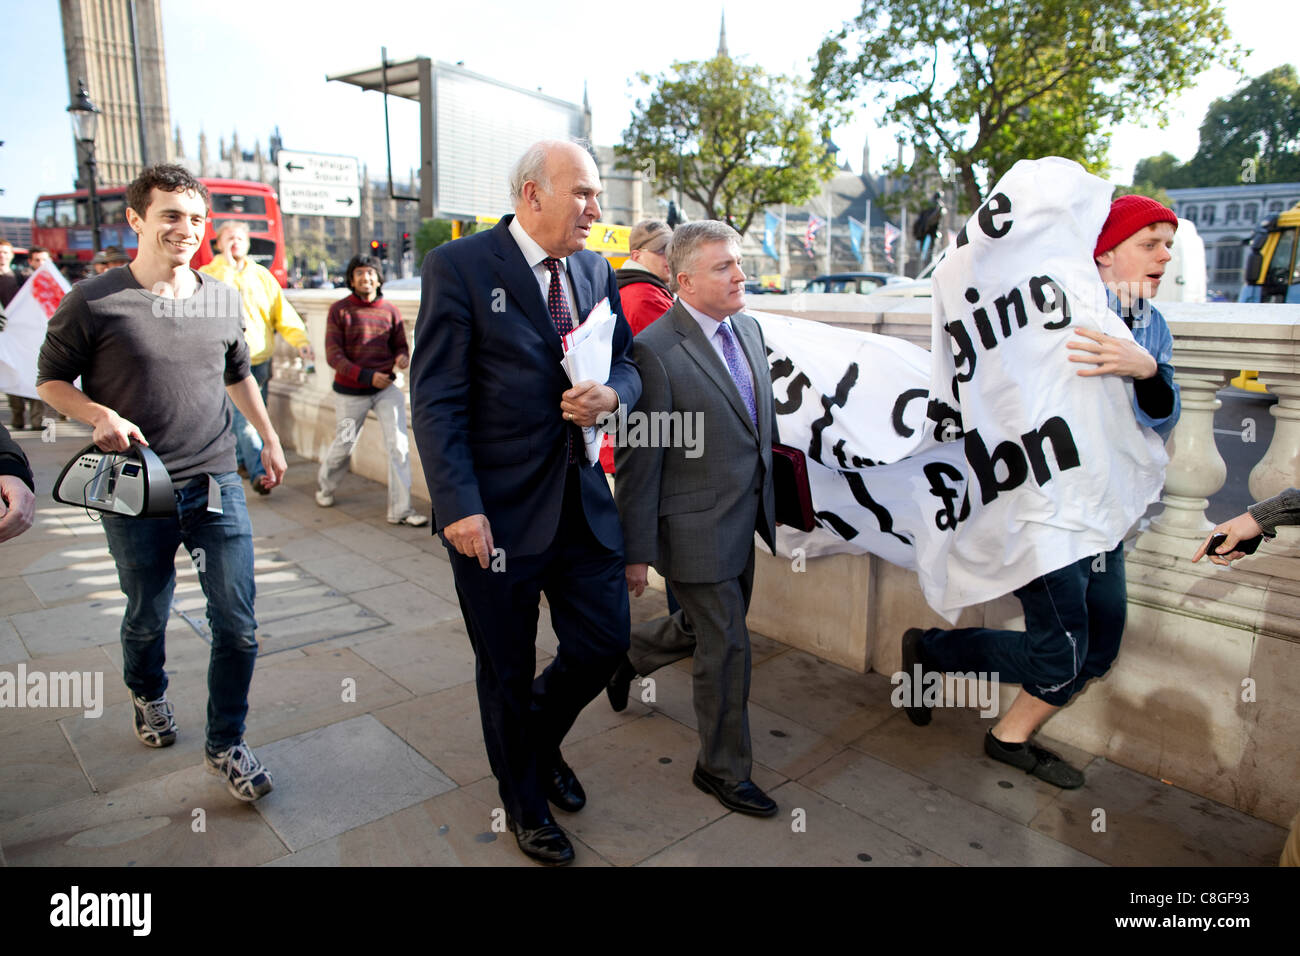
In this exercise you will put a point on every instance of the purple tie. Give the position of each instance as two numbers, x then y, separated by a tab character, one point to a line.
736	365
557	304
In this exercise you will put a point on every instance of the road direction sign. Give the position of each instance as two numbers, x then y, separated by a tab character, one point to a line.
303	199
318	169
319	184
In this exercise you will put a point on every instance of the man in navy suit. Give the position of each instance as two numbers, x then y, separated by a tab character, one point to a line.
518	506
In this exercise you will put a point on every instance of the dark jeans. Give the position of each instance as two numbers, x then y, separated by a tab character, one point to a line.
221	546
1074	619
525	719
248	443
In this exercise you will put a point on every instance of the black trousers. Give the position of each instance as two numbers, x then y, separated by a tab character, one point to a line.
526	718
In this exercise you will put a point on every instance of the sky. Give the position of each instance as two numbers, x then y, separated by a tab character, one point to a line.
254	66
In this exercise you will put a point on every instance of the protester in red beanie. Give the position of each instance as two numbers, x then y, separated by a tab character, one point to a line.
1074	616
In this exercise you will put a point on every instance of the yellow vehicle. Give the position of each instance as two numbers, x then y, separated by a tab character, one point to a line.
1272	273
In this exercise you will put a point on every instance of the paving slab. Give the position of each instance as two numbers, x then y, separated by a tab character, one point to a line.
1148	822
97	581
33	553
431	571
299	630
12	648
70	627
292	694
370	542
17	595
309	545
349	572
89	660
446	729
452	829
928	815
343	776
825	697
809	831
408	605
950	752
151	823
431	659
39	770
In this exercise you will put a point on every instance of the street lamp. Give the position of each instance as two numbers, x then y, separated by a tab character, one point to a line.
681	132
85	121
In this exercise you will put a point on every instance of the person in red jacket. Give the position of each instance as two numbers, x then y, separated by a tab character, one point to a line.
643	280
643	290
365	344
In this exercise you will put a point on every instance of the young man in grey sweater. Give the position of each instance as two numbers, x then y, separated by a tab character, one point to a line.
159	349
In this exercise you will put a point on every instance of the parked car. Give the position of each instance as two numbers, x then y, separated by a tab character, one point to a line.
863	283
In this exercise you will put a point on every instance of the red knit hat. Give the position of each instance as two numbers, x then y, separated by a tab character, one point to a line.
1128	214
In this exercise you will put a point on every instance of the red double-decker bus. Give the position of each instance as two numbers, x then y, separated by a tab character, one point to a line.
61	223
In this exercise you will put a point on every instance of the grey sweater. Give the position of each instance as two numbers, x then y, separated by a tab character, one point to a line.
1280	509
161	363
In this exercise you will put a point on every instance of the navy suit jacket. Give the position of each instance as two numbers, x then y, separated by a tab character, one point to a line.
486	384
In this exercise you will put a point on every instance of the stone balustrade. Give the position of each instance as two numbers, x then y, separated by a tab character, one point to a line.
1203	694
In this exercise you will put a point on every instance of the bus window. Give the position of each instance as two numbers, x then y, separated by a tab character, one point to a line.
239	203
112	210
45	213
261	251
65	212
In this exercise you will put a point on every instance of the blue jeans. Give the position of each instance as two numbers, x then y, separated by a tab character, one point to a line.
248	443
1074	619
221	546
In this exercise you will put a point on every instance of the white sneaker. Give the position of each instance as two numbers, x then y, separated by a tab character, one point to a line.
412	520
245	777
324	500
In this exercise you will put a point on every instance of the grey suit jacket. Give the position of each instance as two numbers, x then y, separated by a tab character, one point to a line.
694	518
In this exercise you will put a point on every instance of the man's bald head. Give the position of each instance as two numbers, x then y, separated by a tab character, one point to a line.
554	187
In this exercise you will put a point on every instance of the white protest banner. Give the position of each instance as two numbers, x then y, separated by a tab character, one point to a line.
28	313
987	462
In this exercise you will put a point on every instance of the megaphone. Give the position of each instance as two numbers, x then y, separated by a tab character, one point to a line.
133	483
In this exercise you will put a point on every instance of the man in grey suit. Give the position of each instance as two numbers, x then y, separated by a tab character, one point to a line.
692	510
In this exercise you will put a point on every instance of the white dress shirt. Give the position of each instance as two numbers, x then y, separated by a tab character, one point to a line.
533	255
709	326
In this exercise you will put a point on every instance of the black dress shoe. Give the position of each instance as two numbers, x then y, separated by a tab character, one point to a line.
743	797
618	686
546	842
563	788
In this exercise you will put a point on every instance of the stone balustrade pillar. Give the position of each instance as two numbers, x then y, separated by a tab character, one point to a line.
1196	470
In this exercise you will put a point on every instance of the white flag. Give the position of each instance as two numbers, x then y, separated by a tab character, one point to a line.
27	315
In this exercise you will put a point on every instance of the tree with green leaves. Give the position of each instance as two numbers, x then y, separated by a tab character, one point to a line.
745	139
431	234
1252	136
985	84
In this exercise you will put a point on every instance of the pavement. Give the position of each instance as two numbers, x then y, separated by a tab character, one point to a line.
363	706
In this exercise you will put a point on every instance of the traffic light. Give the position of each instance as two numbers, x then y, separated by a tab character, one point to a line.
374	248
406	243
383	250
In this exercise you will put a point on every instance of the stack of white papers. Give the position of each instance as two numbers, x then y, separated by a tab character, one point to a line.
588	350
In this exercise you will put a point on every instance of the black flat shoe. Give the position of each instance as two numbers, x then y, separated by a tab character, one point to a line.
743	797
546	842
617	688
563	788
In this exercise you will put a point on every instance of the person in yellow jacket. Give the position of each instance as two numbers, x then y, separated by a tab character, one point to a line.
266	311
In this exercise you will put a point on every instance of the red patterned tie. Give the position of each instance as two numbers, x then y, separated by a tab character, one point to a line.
556	301
558	305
